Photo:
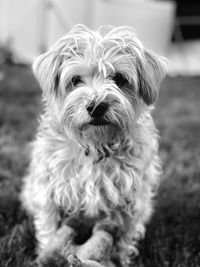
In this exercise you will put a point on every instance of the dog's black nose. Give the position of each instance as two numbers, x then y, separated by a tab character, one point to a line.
97	110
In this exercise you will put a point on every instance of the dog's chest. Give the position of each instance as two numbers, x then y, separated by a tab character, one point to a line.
92	187
94	183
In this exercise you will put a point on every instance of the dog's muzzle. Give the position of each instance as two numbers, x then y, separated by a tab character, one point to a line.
97	112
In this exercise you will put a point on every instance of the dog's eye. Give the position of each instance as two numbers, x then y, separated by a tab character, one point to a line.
76	80
119	79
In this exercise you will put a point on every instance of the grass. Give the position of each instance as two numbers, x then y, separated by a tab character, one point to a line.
173	235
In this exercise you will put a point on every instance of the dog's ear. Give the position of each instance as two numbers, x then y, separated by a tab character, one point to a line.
151	70
46	70
47	66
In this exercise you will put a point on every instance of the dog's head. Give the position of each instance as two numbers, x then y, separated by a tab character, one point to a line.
95	84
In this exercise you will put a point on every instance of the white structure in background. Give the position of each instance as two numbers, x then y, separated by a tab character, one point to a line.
152	20
30	27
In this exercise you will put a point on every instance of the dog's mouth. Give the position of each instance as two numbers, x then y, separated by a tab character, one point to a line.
94	124
99	122
99	130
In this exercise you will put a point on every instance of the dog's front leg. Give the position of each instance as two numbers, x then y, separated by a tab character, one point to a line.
46	224
51	238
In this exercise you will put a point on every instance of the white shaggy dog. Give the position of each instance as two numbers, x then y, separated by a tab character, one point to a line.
95	157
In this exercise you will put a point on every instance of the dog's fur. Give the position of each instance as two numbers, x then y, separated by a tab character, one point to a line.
103	170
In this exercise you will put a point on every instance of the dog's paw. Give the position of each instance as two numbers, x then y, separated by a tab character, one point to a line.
53	260
128	255
139	233
107	226
133	251
74	261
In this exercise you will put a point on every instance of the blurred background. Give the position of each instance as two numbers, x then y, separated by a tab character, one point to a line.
170	28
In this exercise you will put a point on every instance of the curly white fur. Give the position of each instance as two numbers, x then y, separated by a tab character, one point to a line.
110	169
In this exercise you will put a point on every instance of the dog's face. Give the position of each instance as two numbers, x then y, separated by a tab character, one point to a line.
97	83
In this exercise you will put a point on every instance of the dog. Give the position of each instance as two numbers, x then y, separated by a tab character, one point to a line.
95	158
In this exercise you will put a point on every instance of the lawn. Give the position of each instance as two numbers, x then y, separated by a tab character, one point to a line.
173	235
